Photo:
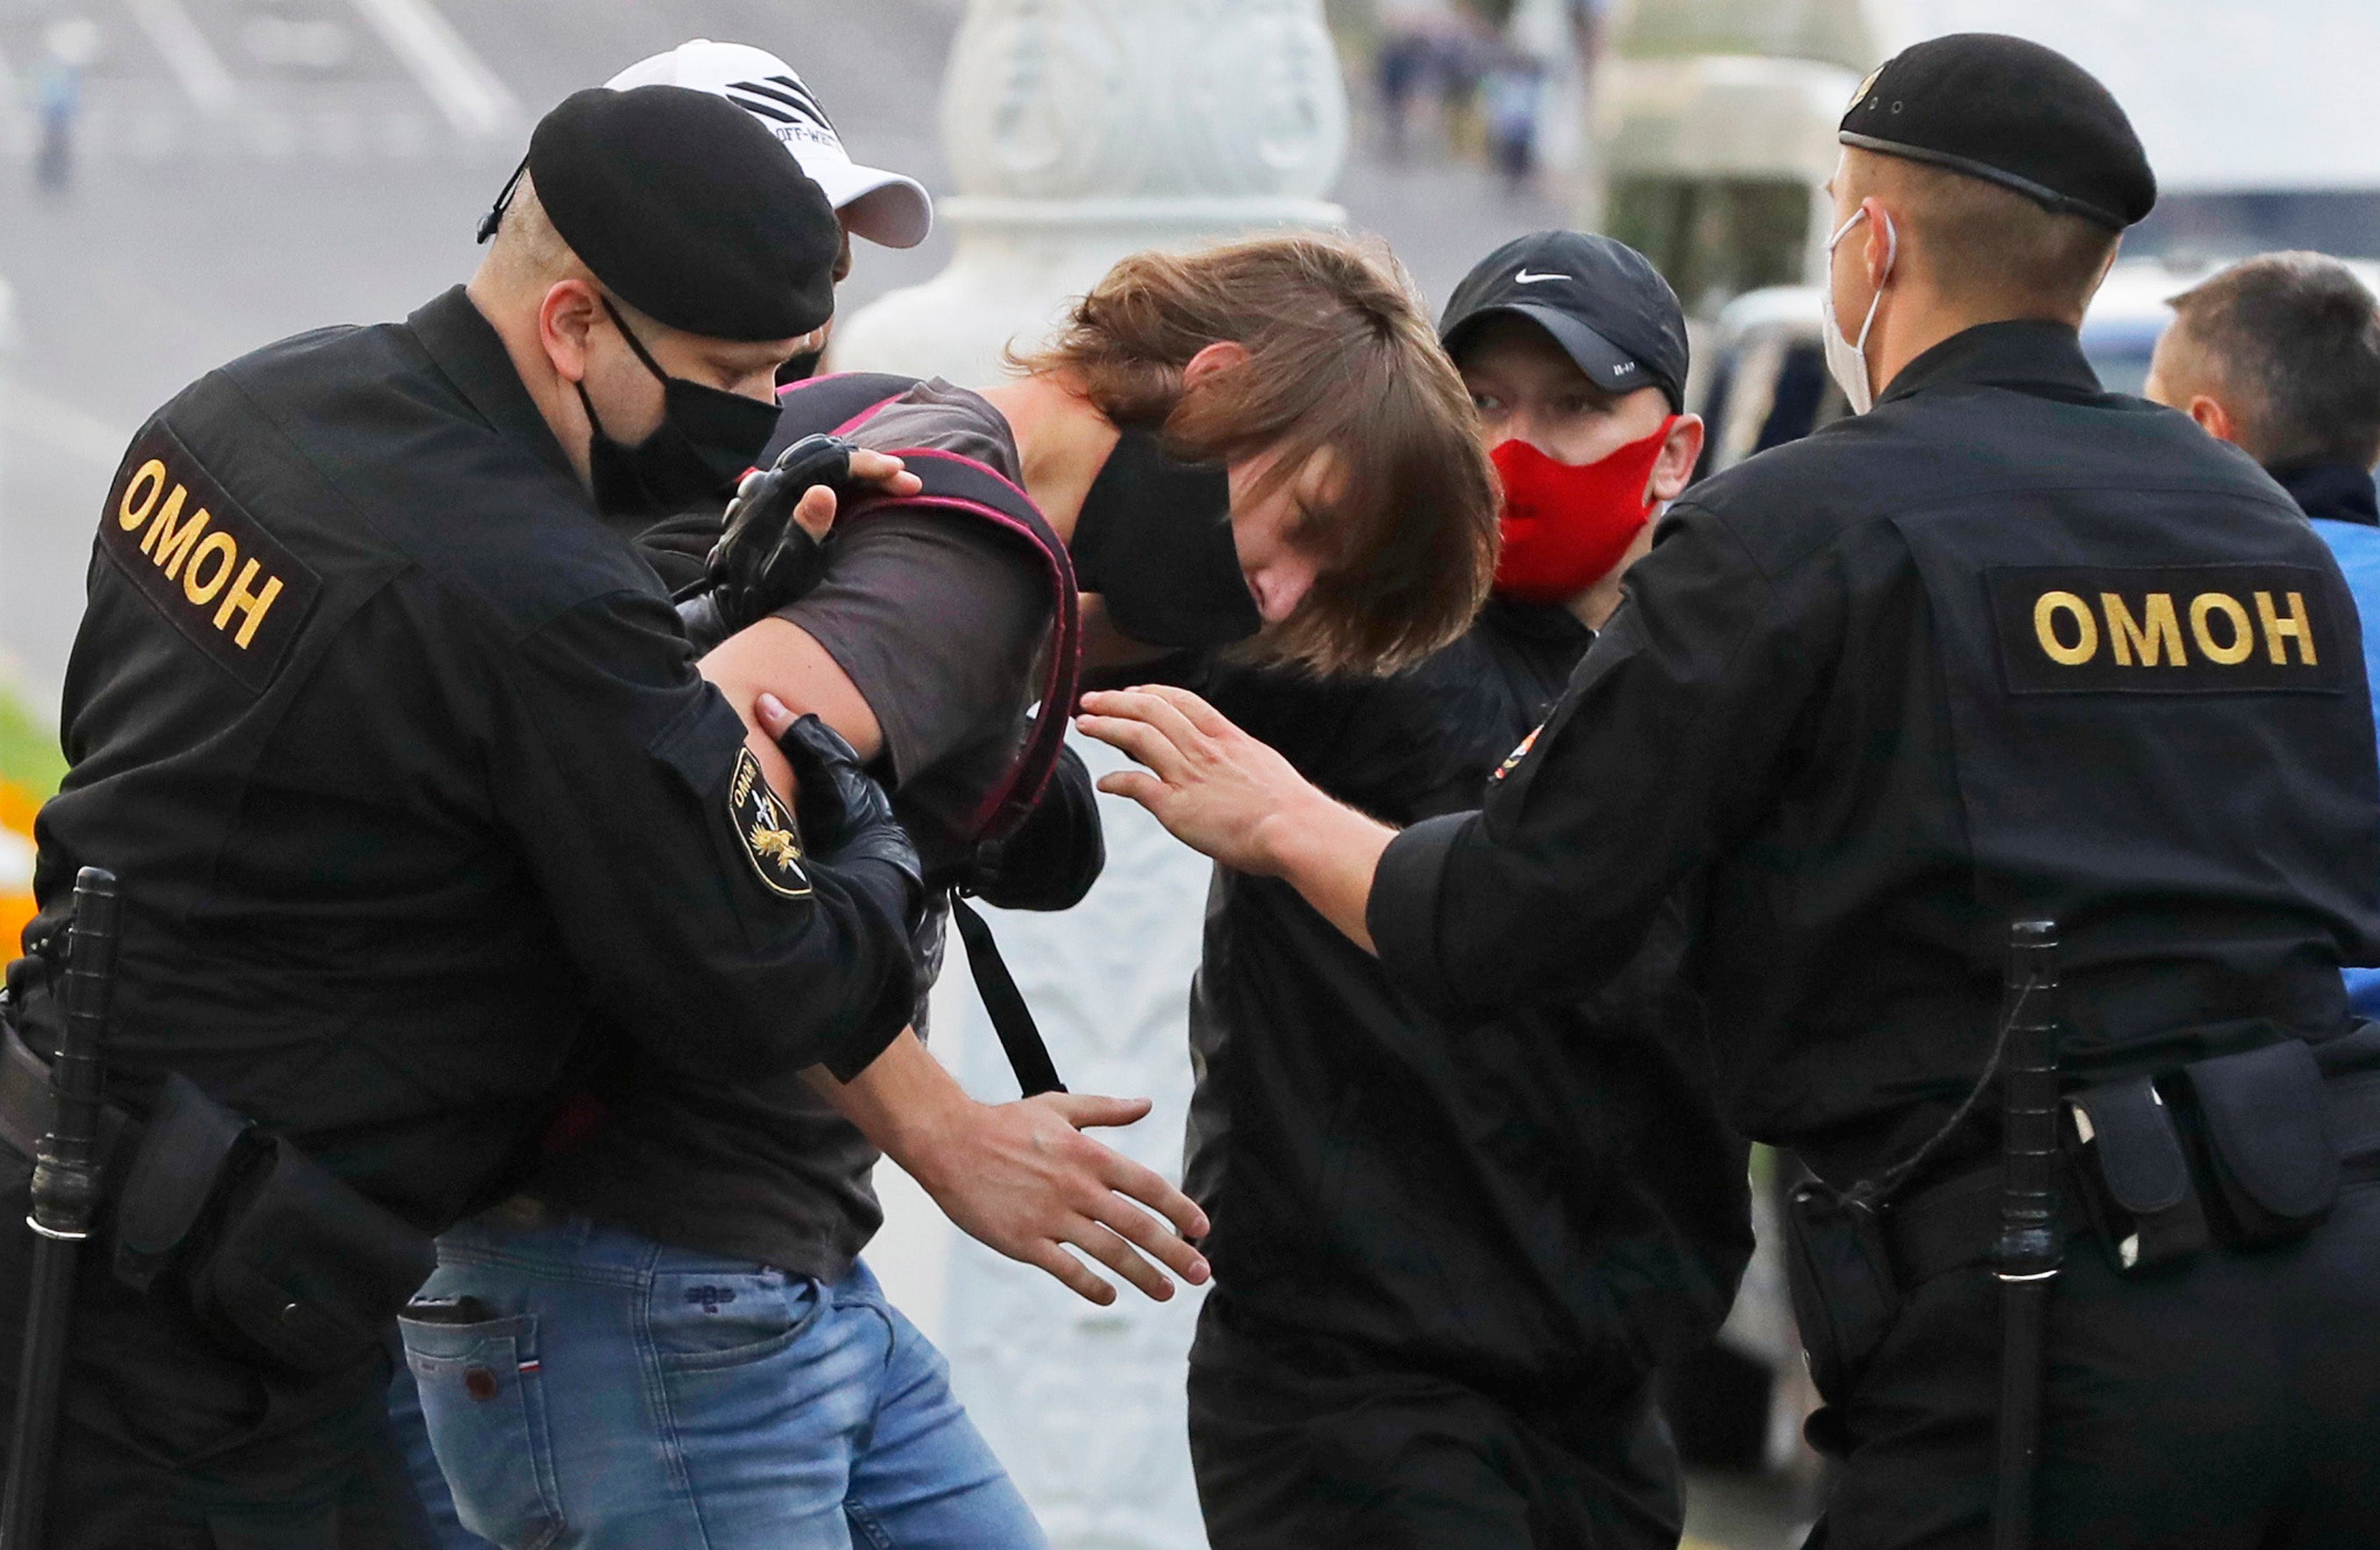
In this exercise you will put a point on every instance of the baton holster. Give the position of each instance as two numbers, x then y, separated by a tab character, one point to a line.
1839	1269
278	1259
2126	1151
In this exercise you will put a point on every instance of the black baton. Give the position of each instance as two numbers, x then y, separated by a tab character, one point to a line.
2029	1251
64	1195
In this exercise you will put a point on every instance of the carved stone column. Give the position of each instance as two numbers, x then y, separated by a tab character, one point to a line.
1081	130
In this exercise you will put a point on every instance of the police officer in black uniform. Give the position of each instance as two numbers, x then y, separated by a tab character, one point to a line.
2009	646
400	753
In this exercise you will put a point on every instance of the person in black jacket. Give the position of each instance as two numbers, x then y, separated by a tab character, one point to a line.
2003	646
1447	1258
400	754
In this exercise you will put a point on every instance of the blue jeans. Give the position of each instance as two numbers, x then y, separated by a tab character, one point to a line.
631	1394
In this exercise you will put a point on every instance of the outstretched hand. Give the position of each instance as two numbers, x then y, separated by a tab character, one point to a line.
1216	788
1022	1178
1223	793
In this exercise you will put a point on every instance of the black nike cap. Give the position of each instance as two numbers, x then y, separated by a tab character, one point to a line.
683	207
2012	112
1602	301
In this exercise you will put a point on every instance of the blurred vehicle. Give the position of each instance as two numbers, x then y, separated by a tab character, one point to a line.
1765	382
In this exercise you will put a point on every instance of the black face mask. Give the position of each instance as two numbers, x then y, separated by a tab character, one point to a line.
1154	541
706	438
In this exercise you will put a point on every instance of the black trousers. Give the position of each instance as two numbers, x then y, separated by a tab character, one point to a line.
2230	1403
1304	1445
168	1443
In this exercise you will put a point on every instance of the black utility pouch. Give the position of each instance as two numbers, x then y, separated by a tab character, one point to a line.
302	1269
2266	1122
2128	1151
1839	1273
186	1153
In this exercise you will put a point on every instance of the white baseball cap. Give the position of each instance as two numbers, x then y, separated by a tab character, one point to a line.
883	207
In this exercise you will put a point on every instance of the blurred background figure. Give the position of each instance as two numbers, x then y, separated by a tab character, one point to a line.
69	45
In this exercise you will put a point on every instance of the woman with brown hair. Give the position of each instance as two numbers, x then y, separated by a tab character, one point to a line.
1257	448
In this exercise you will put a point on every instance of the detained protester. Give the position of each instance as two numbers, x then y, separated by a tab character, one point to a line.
1220	442
1448	1259
2280	356
398	750
2001	647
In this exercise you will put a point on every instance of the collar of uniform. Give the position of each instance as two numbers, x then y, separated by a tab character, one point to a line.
2021	353
1549	622
468	350
2339	492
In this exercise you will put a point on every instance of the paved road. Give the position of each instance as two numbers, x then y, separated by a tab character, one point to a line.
248	168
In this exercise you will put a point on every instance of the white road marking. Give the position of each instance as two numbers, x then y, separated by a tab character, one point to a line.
61	427
187	53
474	99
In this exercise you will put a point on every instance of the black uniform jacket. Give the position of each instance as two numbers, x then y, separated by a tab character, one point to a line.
400	755
1547	1201
2005	645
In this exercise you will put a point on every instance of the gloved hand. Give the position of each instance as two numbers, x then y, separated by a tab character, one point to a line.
764	559
846	818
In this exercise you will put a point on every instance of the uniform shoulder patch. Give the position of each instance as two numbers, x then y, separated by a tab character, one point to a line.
2168	629
231	588
1519	753
765	830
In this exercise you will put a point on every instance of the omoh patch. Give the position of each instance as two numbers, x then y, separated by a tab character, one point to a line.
766	830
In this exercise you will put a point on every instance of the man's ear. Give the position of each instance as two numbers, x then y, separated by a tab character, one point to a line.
1213	360
2212	417
565	319
1882	235
1681	450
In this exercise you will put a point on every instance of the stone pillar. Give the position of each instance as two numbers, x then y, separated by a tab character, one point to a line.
1081	130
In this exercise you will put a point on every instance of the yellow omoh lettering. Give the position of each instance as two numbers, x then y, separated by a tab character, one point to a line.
253	606
2243	639
223	549
2045	629
165	520
174	545
2277	629
2159	639
153	474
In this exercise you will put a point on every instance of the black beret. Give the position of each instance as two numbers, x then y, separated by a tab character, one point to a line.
689	209
2012	112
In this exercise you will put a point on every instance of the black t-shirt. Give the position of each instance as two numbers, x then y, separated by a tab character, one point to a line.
2007	645
1547	1201
403	764
937	619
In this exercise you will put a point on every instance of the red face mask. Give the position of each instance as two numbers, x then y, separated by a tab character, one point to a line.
1567	524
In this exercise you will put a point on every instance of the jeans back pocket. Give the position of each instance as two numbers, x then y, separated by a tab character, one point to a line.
485	1410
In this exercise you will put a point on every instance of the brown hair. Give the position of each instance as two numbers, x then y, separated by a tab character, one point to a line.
1986	247
1340	355
2293	343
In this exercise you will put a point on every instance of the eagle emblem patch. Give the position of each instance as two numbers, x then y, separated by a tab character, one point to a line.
766	830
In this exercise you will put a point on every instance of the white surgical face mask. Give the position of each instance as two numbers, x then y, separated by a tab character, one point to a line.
1847	359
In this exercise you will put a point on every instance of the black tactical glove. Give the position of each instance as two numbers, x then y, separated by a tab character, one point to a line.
764	559
1054	856
845	817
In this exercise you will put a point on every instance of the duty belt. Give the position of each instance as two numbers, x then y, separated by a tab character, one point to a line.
25	1110
1952	1225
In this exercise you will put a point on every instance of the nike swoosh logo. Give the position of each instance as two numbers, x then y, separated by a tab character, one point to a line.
1525	278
